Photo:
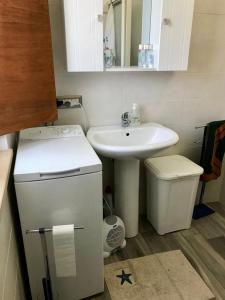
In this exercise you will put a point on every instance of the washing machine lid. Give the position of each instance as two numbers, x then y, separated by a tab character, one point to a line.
54	152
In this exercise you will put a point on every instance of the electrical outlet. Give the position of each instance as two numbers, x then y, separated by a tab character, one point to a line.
69	101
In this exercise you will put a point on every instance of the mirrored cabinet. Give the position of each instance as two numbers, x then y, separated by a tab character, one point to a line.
127	35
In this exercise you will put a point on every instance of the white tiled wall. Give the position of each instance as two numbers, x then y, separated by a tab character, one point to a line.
3	143
11	287
180	100
7	141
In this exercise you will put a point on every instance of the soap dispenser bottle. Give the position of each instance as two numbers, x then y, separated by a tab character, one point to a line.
141	56
135	116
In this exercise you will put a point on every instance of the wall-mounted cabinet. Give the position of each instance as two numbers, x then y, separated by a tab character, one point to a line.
118	35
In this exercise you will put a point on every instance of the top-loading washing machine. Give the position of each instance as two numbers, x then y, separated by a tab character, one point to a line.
58	181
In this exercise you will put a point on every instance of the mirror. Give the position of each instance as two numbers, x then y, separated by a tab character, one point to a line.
134	35
127	27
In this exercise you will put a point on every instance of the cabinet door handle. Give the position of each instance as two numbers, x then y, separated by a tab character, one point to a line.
100	18
43	230
167	22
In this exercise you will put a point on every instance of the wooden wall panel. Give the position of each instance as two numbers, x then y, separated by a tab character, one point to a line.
27	87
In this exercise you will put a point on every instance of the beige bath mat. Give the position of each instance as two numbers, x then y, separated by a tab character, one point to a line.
163	276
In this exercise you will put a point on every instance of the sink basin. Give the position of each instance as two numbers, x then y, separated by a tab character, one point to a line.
132	142
127	146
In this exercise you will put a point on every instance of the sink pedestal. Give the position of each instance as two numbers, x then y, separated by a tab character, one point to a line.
127	194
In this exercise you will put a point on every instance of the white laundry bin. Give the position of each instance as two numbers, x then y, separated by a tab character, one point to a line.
172	183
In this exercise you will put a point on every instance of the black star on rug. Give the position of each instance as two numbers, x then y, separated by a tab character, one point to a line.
124	277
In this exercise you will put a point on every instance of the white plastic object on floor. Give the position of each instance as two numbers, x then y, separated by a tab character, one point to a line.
113	235
172	183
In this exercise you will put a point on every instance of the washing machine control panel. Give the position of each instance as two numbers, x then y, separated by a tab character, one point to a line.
51	132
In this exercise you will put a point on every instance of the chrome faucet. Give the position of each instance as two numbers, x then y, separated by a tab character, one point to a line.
125	120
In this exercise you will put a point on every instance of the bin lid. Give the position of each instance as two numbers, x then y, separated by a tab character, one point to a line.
172	167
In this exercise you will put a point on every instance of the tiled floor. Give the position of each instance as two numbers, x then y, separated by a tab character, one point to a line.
203	245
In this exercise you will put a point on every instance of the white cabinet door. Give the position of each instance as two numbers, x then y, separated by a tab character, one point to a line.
84	35
171	27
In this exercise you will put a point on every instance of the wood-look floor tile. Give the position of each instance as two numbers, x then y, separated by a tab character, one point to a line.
203	245
144	225
157	243
218	244
219	220
205	261
218	207
208	227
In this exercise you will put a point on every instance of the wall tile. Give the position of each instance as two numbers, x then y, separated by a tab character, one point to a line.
5	233
207	44
210	6
9	272
19	288
3	142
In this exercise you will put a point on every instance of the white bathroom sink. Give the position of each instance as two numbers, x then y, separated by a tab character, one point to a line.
131	142
127	146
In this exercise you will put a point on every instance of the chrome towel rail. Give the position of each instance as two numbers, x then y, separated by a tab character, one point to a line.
43	230
201	126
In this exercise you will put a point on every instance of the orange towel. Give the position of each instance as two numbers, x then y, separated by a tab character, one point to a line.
213	150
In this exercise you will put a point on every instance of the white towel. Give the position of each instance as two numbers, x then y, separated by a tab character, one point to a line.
109	35
64	250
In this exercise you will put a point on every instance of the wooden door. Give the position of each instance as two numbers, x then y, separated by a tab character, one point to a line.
27	88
